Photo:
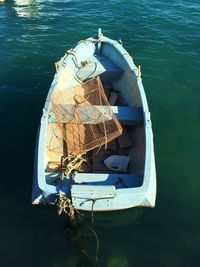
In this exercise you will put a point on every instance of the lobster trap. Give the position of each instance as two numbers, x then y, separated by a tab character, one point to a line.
84	117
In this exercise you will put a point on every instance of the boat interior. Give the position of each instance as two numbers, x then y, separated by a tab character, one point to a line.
121	89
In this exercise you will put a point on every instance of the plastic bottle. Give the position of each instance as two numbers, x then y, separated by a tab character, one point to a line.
117	163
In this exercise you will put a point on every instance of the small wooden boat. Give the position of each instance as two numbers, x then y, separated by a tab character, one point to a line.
93	185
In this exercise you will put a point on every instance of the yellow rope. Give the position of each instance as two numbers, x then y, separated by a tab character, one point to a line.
74	164
139	71
65	206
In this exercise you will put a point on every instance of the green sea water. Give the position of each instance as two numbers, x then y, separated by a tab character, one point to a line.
164	38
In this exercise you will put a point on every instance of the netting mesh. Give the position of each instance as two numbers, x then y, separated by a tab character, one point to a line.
85	117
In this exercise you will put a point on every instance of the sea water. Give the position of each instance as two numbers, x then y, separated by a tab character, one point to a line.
164	38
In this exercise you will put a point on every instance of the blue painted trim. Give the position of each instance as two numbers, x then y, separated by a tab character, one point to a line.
36	191
119	180
128	115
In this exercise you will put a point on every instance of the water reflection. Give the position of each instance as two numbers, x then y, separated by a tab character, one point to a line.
26	8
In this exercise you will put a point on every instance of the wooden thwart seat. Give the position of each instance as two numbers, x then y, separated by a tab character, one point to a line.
128	115
125	114
119	180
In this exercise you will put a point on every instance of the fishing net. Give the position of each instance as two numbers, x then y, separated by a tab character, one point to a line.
84	117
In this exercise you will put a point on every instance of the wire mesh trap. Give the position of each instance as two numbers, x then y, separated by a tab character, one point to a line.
84	117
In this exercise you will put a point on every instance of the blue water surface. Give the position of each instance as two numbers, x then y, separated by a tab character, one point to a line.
164	38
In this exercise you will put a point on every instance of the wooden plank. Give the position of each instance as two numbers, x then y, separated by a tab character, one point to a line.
119	180
97	161
113	98
128	115
124	139
125	114
98	155
100	177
